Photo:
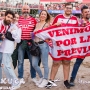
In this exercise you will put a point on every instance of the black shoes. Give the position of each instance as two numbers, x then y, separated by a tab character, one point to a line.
67	84
72	82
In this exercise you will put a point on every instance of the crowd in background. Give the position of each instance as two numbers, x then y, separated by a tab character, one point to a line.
41	6
27	25
76	6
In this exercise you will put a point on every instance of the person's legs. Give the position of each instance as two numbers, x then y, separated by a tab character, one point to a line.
39	63
54	69
66	71
35	61
75	70
0	66
6	62
32	70
53	73
9	72
44	59
20	61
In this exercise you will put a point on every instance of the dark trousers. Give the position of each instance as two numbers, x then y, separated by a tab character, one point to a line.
76	67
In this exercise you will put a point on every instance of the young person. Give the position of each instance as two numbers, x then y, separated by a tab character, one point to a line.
83	22
64	20
7	47
27	25
43	23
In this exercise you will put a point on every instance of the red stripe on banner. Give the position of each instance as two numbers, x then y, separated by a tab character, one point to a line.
49	28
86	1
70	0
50	0
64	58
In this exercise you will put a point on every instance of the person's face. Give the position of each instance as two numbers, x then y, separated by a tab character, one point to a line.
68	9
25	10
8	19
43	16
16	18
86	13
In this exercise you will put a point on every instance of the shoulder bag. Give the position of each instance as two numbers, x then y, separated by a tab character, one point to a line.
35	49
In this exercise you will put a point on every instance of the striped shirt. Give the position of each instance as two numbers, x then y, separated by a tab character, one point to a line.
27	26
3	28
72	21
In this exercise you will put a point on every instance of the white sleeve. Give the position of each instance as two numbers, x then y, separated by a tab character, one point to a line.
16	34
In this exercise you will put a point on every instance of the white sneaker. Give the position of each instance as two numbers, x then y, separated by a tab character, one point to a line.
15	87
43	84
22	81
39	82
34	80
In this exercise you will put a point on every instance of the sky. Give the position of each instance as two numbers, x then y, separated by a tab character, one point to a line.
27	1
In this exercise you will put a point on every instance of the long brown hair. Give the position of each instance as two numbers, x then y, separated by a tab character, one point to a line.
48	16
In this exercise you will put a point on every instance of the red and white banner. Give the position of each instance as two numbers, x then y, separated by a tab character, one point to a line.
85	1
51	1
68	42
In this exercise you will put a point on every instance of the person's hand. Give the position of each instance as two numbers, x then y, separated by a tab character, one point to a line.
58	24
12	29
49	42
3	36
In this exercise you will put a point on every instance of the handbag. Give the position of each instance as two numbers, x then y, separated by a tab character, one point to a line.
34	49
8	35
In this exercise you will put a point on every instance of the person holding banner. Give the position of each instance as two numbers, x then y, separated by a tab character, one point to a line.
63	20
43	23
83	22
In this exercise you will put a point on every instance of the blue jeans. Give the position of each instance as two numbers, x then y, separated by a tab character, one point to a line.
0	66
21	54
76	67
44	59
7	61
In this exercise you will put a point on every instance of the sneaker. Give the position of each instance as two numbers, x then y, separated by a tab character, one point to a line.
14	87
39	82
57	80
43	83
72	82
50	84
34	80
22	81
67	84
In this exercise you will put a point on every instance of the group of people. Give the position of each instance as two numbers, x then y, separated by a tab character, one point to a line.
21	28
